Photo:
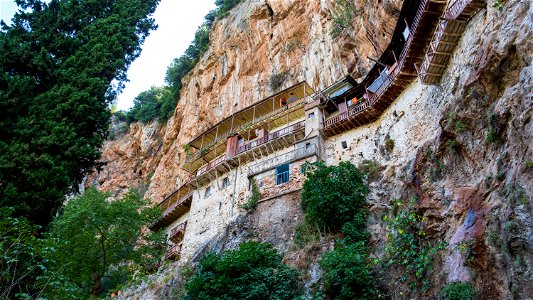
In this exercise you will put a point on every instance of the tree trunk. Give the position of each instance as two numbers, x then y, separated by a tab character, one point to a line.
97	285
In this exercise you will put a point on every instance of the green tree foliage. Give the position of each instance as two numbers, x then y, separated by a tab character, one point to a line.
95	244
343	14
20	260
180	67
347	274
254	271
333	195
224	6
57	63
155	103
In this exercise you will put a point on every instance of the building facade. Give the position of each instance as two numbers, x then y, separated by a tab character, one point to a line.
269	141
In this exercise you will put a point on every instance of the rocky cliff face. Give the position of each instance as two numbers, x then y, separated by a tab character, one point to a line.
462	150
258	39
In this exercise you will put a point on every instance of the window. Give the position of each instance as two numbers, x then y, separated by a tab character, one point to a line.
344	145
405	33
225	182
207	192
282	174
312	115
307	145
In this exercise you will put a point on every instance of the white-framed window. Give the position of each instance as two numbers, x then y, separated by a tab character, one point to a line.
207	192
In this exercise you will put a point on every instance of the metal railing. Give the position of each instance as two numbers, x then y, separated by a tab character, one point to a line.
455	9
284	158
272	136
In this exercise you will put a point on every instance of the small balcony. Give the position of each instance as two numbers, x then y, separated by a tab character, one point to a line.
270	143
173	207
177	233
174	252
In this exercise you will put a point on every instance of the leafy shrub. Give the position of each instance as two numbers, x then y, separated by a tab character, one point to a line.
333	195
254	271
495	129
355	230
389	145
152	104
498	4
224	6
343	13
347	274
306	234
454	124
408	248
255	196
277	80
528	166
20	262
457	291
452	145
371	168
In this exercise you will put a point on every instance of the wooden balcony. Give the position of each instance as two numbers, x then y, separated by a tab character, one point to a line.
463	10
445	39
174	206
271	110
254	123
271	143
174	252
260	147
177	233
288	157
398	76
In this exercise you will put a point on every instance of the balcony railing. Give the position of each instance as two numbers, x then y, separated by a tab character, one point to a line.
373	97
455	9
174	252
284	158
272	136
289	107
171	208
215	162
180	229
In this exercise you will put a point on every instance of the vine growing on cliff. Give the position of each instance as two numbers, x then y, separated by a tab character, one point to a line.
343	14
408	247
254	198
